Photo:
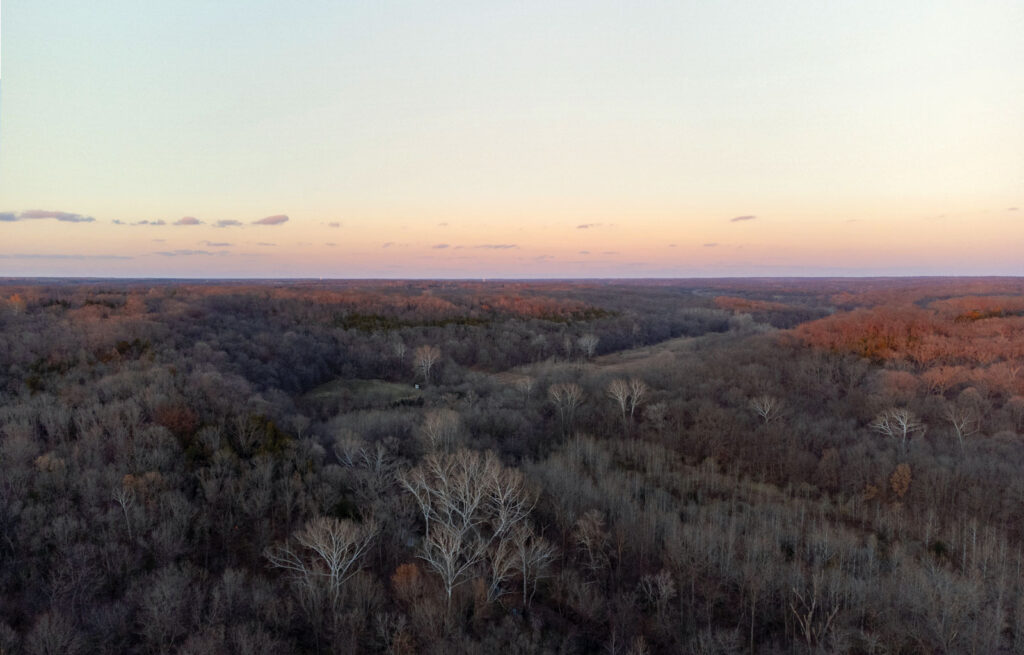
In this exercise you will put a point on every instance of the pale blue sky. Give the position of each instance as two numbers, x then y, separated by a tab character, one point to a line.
865	136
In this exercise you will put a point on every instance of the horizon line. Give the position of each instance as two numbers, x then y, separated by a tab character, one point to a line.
67	278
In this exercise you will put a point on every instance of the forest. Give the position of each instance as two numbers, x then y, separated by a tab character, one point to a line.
625	467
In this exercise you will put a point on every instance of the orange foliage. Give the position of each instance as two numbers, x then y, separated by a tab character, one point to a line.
885	291
878	333
16	303
535	307
942	378
974	308
900	385
947	348
746	305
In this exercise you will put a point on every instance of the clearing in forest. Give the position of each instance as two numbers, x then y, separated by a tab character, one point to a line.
363	394
624	361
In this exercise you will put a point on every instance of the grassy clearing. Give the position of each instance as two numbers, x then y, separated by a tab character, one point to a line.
364	394
625	362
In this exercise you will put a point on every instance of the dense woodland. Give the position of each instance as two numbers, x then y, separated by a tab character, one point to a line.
619	467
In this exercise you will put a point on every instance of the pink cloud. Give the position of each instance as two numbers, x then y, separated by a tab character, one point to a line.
66	217
277	219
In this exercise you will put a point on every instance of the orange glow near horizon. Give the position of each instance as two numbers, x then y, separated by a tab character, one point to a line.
640	246
472	140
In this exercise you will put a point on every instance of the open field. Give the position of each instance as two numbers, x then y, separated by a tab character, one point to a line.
364	394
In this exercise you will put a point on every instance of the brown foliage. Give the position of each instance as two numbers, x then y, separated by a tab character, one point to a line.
180	420
408	583
746	305
900	480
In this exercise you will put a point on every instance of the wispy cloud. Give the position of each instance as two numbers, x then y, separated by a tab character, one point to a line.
276	219
584	252
38	214
497	246
1011	209
440	246
388	244
609	252
334	224
216	244
587	226
188	220
228	223
60	256
265	244
156	223
443	224
738	219
330	245
187	253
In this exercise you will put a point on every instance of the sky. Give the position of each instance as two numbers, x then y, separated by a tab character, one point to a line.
511	139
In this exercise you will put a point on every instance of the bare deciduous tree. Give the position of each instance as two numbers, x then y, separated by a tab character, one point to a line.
567	397
453	554
658	589
767	407
525	386
898	423
588	344
813	620
326	553
393	630
472	507
440	429
124	496
618	390
450	491
964	420
398	349
500	568
628	395
165	614
568	346
943	606
424	358
374	467
592	541
656	416
533	557
523	554
637	394
53	634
